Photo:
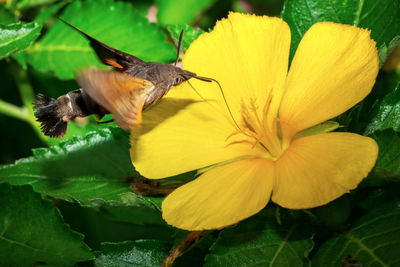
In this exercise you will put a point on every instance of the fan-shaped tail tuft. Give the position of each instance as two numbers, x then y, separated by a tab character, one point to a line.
47	113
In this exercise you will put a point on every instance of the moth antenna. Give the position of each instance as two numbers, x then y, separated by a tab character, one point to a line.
206	79
179	47
51	121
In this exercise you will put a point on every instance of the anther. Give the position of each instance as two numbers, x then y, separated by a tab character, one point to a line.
258	140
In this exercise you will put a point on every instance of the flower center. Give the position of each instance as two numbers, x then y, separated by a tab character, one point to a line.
261	127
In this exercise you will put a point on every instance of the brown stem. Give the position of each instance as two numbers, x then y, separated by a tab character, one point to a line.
189	240
149	187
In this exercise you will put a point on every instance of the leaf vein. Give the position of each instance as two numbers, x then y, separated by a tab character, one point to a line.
365	248
358	13
26	246
282	244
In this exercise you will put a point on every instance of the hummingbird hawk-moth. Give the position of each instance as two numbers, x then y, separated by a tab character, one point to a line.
132	86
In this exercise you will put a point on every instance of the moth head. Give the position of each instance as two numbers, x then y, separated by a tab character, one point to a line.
182	76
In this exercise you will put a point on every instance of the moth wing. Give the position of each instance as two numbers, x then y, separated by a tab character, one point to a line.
119	93
108	55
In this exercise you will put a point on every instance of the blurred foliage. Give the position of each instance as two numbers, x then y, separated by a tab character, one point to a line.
180	11
69	201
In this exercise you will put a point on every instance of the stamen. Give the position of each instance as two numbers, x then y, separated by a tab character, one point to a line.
281	121
241	131
247	118
253	105
258	140
268	102
265	111
259	126
238	142
254	108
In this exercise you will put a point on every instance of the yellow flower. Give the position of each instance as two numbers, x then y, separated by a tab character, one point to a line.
260	158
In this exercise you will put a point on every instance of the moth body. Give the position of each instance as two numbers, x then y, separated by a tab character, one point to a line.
162	76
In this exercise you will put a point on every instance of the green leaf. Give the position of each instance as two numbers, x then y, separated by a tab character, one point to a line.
48	12
189	34
98	227
99	224
131	199
385	50
388	114
132	253
335	213
380	16
133	209
82	169
20	57
65	51
368	197
32	3
374	240
75	129
16	37
359	118
261	241
387	167
180	11
6	16
324	127
145	7
32	230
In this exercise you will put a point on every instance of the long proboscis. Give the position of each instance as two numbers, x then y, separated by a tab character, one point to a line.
207	79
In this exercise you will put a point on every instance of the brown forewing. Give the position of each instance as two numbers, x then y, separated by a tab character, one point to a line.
107	54
119	93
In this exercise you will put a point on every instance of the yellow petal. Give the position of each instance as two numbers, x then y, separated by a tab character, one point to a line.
221	197
247	54
178	136
334	68
317	169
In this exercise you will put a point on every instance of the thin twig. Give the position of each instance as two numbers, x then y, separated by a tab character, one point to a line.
189	240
